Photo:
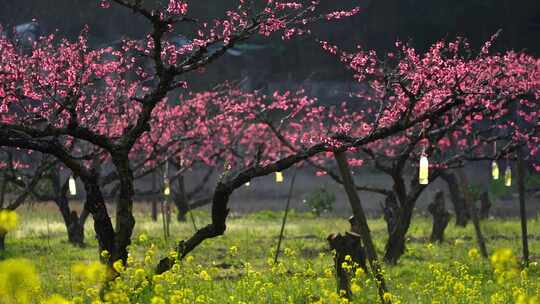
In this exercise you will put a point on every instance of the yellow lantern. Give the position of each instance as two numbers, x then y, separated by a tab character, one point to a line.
508	177
495	170
166	187
423	172
72	185
279	177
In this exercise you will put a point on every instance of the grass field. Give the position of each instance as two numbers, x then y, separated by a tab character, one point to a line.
235	268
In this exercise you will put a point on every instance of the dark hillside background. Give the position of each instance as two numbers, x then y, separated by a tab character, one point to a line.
378	26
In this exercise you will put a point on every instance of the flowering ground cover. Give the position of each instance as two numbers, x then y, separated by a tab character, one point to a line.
41	267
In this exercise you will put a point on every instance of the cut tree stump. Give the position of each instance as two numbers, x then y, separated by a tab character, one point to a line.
441	217
349	244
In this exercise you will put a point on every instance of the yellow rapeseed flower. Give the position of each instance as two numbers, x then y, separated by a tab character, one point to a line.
56	299
8	220
19	282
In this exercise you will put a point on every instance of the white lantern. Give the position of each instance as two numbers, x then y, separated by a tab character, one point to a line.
495	170
508	177
166	187
423	172
279	177
72	185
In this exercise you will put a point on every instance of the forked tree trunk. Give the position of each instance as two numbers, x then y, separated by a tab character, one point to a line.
361	223
441	218
457	199
485	205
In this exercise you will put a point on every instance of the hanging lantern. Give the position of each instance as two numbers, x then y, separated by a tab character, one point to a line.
423	172
166	187
72	185
508	177
279	177
495	170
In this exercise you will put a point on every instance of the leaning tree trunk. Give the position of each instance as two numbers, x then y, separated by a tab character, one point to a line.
441	218
95	204
457	198
361	223
125	222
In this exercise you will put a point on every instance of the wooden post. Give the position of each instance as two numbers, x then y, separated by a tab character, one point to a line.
522	207
287	205
361	222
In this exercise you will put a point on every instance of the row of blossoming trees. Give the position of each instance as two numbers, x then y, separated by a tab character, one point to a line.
78	108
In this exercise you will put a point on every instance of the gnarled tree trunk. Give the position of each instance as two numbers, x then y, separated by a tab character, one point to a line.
95	204
441	218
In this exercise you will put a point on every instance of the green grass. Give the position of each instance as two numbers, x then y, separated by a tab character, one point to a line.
41	238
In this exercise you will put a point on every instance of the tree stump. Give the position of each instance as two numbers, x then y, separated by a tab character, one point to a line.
441	218
485	205
349	244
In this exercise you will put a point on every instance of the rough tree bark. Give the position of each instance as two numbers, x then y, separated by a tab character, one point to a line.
125	222
457	199
441	218
95	204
